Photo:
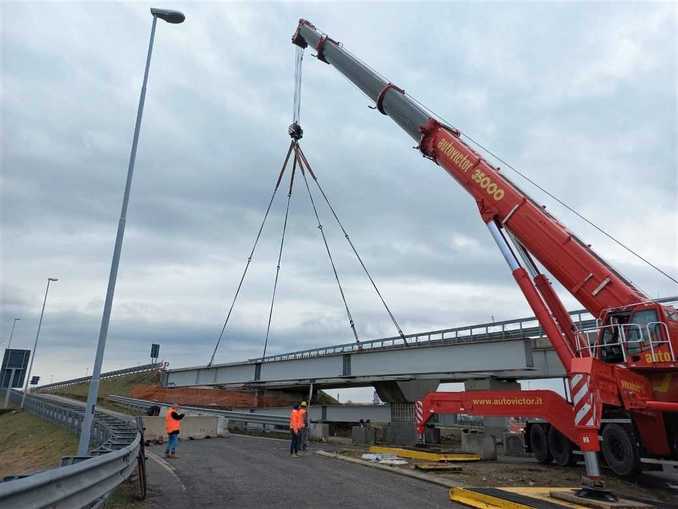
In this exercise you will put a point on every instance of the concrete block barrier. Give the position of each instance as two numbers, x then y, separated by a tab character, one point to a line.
192	426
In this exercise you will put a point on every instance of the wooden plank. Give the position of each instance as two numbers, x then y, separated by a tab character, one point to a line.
437	467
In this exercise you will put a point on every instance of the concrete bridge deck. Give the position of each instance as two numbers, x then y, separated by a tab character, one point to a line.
511	349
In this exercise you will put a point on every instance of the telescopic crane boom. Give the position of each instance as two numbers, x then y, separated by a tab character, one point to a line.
635	332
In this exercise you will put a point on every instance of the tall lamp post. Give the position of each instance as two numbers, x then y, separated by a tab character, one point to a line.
11	372
11	334
37	335
169	16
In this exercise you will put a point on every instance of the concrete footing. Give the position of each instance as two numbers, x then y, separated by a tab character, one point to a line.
514	445
363	435
480	443
319	431
432	436
402	433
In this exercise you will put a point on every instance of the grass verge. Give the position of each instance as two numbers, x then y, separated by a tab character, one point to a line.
29	444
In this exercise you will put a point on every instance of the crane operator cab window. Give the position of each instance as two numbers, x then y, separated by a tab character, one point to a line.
611	340
632	333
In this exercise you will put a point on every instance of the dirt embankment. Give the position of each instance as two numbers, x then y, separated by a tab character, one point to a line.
221	398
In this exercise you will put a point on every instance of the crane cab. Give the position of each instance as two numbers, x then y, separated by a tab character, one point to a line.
641	337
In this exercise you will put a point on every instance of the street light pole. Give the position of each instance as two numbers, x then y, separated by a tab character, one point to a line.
37	335
11	334
11	370
86	430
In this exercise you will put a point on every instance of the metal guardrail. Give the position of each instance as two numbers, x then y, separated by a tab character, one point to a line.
68	416
109	374
246	417
490	331
80	482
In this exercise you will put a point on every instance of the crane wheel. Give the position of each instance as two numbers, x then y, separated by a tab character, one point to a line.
620	450
561	448
539	443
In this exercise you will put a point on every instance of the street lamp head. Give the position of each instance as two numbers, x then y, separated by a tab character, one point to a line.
52	279
168	15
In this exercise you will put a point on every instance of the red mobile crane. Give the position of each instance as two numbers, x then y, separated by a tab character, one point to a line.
623	375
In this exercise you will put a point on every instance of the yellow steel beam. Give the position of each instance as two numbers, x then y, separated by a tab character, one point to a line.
422	455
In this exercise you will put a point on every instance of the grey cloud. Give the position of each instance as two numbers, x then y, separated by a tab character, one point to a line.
557	89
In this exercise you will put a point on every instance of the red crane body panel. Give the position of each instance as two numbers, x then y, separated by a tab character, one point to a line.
642	384
578	269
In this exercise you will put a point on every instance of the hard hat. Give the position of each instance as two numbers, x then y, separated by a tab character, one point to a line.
303	403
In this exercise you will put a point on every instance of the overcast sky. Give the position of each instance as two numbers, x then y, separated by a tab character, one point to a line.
582	97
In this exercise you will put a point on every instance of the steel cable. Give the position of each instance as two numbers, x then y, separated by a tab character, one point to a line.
329	254
249	258
518	172
545	191
350	243
282	243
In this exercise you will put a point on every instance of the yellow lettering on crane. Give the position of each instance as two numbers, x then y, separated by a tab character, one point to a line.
457	157
630	386
464	164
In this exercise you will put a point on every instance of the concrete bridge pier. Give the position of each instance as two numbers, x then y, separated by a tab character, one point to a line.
401	397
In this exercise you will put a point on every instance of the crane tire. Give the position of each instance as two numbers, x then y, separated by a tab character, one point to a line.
620	450
539	443
561	448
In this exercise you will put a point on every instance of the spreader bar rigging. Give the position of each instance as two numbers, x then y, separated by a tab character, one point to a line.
254	247
299	160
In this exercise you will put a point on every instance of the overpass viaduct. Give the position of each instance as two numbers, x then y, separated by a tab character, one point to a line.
487	356
401	370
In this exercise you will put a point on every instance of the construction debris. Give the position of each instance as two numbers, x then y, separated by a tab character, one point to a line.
384	459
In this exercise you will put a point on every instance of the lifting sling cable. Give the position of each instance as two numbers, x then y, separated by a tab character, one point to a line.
249	258
327	248
282	243
446	122
350	243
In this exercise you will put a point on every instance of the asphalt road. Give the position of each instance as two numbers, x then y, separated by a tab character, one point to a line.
252	472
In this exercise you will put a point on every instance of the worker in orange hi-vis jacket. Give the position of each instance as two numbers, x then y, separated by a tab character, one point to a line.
172	428
296	424
303	436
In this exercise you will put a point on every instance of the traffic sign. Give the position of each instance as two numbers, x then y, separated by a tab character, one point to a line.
13	369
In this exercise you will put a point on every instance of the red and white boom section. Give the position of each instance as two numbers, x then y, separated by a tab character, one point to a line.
625	367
